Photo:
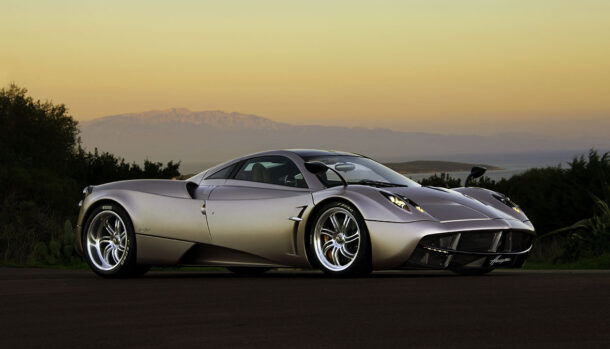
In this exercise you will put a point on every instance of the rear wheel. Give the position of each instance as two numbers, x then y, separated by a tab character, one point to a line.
339	241
109	243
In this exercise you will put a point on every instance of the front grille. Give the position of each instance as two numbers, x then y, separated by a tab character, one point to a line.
423	257
439	240
514	241
470	248
480	241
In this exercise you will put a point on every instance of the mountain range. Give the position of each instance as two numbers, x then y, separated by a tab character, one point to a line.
208	137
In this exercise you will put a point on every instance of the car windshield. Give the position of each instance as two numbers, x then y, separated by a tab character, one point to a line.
359	170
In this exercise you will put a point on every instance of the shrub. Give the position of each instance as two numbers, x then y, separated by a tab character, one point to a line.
43	169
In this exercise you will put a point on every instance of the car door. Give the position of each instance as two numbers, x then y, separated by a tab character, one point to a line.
258	210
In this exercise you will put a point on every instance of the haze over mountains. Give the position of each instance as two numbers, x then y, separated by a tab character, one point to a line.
209	137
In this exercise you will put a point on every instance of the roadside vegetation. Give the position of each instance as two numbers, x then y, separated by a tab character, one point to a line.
568	207
43	169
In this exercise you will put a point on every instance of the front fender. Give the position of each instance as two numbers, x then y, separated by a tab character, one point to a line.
487	197
92	200
373	205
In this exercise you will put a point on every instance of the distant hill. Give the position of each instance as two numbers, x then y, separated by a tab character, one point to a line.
207	137
421	166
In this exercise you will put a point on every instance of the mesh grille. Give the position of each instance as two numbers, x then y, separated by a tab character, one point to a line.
440	250
514	241
480	241
438	240
423	257
476	241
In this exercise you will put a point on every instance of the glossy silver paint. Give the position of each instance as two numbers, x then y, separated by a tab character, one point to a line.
232	222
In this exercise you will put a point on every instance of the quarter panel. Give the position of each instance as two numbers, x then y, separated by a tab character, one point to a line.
153	250
158	215
174	218
163	187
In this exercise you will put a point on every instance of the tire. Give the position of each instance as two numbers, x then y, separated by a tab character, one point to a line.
248	271
471	271
339	242
109	243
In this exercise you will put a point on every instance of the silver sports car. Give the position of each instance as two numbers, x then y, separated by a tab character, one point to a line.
340	212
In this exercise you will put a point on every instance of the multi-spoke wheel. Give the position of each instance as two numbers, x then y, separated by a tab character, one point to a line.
109	243
339	241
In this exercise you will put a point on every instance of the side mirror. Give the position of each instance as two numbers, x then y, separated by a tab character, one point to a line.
318	167
475	172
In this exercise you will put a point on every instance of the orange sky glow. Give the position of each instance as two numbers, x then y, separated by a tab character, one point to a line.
436	66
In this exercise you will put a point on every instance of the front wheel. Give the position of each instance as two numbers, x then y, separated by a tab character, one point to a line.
339	241
109	243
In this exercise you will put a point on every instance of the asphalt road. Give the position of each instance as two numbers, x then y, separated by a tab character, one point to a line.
288	309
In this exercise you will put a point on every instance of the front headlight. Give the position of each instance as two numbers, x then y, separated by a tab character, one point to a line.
402	201
398	201
508	202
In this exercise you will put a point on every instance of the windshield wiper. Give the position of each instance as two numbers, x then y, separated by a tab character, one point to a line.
378	183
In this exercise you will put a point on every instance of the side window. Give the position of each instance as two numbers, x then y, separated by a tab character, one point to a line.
272	170
222	174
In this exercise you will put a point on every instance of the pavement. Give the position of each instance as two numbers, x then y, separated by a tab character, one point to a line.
47	308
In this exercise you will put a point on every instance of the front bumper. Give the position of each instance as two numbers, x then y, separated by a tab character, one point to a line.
433	244
478	249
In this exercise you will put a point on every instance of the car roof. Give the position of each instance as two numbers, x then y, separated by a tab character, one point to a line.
318	152
302	153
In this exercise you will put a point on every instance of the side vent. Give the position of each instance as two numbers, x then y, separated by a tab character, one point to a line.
297	219
191	187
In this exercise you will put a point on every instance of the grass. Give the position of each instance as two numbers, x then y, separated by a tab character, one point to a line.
76	266
599	262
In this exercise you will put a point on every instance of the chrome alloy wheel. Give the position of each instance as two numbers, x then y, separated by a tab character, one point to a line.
336	239
107	240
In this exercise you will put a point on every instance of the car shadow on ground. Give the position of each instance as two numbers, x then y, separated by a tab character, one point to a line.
311	274
7	274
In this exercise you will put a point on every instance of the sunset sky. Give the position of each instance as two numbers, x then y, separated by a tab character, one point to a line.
443	66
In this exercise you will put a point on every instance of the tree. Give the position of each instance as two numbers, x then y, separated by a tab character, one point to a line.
42	171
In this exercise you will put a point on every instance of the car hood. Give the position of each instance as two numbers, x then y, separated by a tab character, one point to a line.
449	205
